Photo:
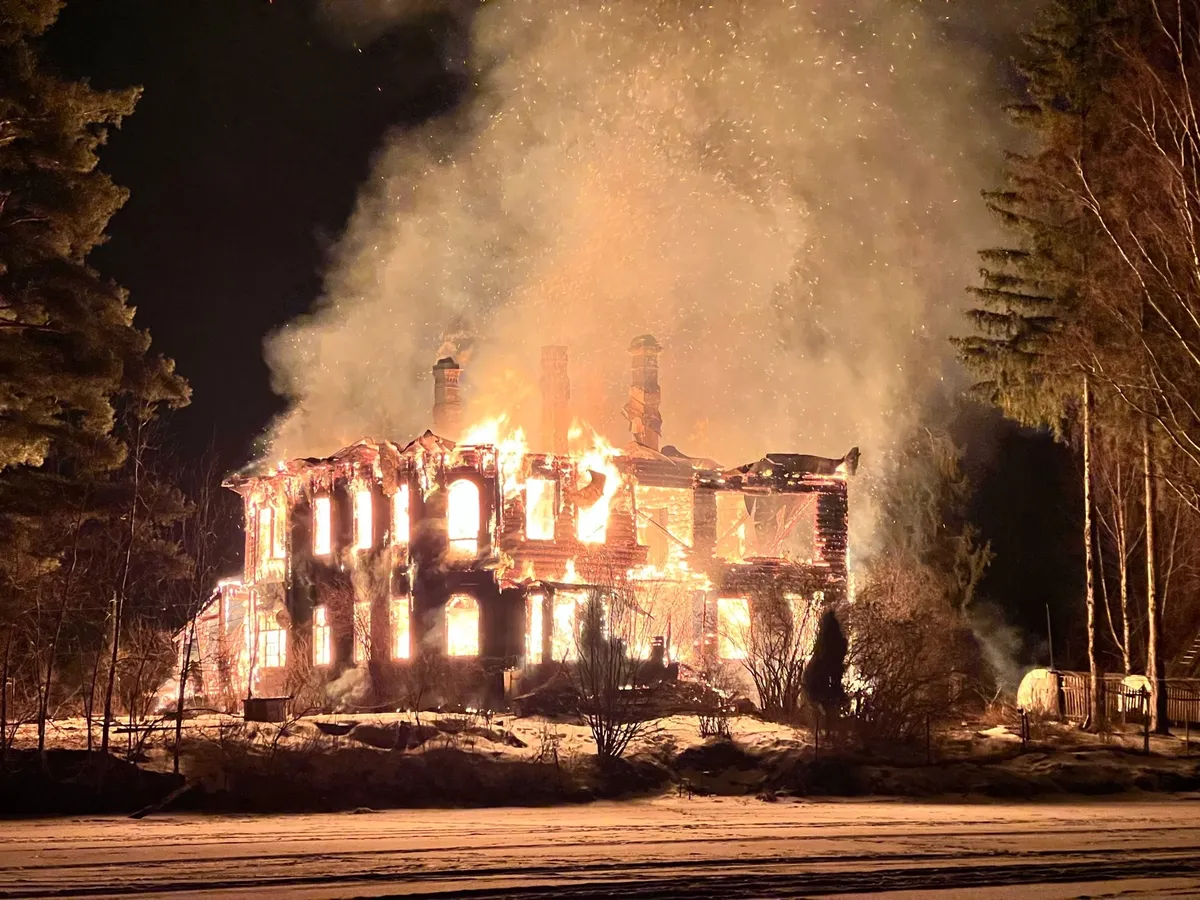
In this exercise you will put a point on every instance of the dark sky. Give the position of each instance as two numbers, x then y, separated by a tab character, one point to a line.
243	160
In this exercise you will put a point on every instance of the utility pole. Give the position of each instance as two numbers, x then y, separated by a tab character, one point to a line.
1050	637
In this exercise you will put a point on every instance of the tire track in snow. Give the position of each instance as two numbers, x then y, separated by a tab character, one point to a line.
728	878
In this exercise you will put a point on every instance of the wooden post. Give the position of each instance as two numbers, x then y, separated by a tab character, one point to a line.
1145	721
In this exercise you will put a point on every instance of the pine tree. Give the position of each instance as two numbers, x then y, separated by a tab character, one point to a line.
66	333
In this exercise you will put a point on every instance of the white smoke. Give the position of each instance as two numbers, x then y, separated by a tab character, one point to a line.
782	191
350	689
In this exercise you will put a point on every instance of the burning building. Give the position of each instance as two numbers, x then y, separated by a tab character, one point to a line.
469	546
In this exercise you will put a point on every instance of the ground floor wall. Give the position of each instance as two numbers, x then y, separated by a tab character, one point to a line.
460	638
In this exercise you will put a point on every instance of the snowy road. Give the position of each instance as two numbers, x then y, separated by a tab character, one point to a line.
706	847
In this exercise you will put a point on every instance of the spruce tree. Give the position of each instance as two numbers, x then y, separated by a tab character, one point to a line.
1039	339
827	666
1025	352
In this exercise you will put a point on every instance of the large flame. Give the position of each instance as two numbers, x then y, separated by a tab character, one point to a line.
511	448
539	509
594	454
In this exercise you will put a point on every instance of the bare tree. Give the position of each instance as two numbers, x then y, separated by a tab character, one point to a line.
50	651
147	658
138	448
612	632
776	640
419	678
717	706
1148	209
210	515
1095	707
1117	491
904	648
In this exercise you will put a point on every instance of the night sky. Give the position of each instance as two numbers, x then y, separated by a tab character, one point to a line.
244	159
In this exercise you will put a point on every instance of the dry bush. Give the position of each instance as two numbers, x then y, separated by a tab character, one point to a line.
549	740
147	662
605	675
907	642
717	705
777	643
305	683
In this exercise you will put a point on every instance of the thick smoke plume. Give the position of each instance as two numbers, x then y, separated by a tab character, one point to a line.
782	191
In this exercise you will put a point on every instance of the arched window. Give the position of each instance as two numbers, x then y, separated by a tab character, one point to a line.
463	516
462	626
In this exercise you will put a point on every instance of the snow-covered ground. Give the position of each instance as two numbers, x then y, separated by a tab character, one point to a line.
962	741
670	847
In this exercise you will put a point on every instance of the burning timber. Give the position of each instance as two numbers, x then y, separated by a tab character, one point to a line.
469	560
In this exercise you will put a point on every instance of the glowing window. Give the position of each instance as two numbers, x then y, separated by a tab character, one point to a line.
401	523
322	637
264	535
322	542
364	535
278	535
401	614
463	516
733	627
565	613
272	647
362	631
462	626
536	633
539	509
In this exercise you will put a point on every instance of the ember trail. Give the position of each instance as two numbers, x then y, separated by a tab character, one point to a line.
491	552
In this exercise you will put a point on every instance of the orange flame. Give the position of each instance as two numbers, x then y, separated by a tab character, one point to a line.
511	448
594	454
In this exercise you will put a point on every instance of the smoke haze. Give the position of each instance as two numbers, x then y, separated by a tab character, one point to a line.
783	193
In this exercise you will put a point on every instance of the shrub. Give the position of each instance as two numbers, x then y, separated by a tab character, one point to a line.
907	643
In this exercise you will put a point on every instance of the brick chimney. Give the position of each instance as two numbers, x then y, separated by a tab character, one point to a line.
643	408
556	397
447	399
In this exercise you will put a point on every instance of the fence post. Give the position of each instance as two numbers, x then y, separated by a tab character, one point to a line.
1187	732
817	733
1145	721
1024	730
